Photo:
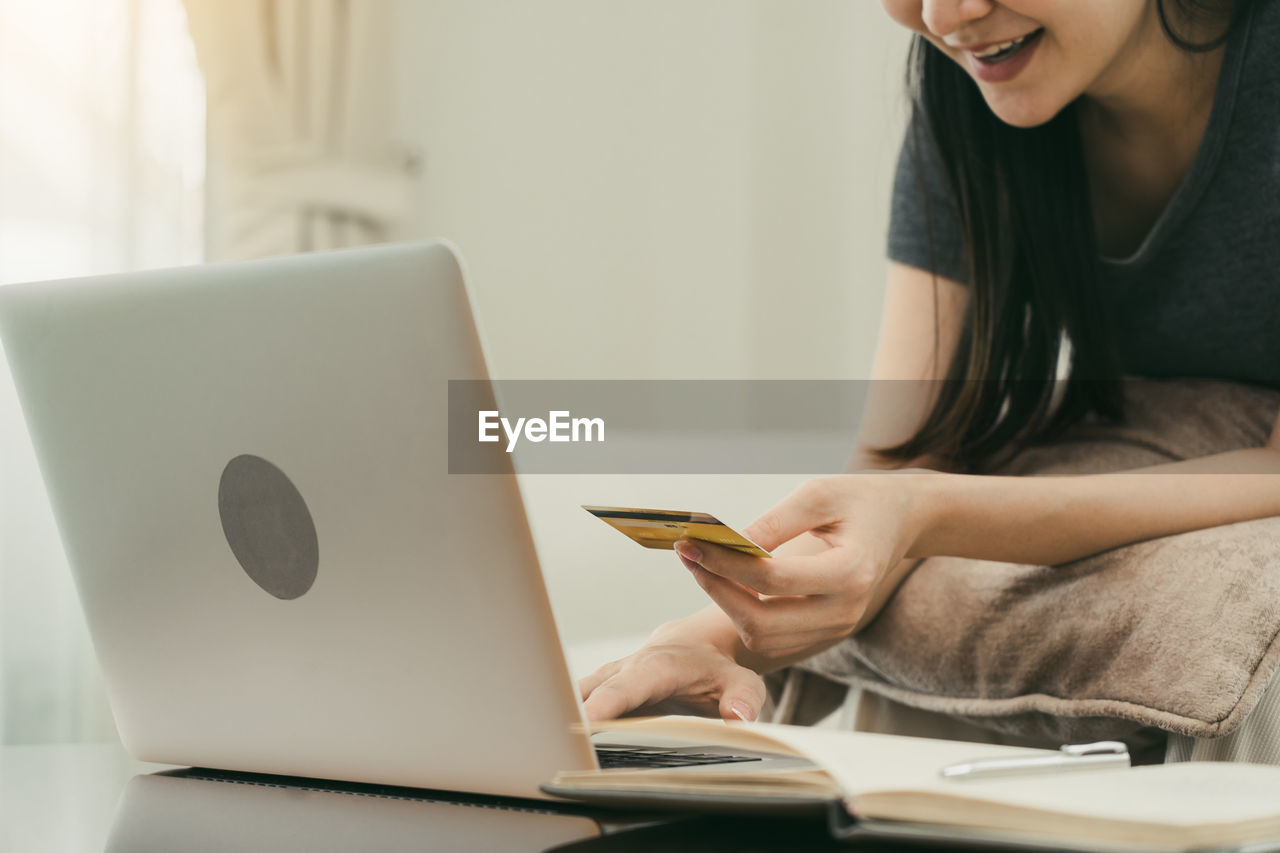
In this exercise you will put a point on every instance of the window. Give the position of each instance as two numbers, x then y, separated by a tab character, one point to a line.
101	170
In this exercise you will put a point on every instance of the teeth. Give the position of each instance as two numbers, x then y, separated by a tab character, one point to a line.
997	48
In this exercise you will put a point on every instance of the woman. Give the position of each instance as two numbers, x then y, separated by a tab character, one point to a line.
1089	188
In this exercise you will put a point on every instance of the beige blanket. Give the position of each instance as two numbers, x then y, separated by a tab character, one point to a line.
1177	633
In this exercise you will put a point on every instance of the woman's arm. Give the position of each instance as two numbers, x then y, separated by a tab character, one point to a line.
871	521
919	327
1053	520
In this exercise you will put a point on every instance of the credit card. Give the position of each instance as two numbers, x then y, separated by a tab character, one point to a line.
663	528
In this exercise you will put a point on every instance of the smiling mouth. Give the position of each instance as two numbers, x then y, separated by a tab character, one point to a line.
997	53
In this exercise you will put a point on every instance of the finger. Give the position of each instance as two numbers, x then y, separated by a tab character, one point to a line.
606	703
694	556
742	695
621	693
588	683
826	573
756	619
804	509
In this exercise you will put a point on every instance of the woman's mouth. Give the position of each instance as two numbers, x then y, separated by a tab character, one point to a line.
1002	61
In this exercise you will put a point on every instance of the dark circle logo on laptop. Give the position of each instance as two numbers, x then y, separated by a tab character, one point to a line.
268	526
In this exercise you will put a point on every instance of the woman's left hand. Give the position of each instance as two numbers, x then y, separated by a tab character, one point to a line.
869	523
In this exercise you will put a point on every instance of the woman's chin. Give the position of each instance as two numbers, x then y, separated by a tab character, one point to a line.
1023	112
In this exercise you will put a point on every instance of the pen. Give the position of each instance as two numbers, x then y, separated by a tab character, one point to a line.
1074	756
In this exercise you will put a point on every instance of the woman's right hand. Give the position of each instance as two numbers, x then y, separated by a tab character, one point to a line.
688	663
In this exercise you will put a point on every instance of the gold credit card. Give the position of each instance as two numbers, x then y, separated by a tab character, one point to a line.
663	528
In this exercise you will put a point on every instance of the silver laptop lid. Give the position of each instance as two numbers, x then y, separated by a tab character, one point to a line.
248	466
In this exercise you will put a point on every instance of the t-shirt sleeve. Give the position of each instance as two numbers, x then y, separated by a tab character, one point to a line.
924	223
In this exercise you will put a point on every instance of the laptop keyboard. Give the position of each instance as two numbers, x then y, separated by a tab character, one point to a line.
614	757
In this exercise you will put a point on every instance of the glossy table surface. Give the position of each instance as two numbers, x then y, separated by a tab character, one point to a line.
82	798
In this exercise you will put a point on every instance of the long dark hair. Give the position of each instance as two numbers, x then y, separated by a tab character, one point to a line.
1022	199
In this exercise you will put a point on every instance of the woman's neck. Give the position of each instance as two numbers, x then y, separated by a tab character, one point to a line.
1142	123
1153	89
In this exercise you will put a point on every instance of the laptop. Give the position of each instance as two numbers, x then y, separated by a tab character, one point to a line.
248	466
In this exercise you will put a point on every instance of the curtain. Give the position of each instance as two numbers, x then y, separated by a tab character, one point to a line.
299	112
101	170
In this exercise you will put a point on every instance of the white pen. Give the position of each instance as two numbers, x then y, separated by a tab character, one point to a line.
1072	756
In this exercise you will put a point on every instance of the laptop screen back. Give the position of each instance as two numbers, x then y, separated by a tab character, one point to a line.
248	466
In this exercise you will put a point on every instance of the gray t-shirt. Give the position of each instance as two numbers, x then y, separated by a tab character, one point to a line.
1201	296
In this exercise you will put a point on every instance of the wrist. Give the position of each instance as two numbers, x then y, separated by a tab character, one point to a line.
712	627
708	627
931	506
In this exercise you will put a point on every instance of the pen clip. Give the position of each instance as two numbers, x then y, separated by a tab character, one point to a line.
1102	747
1072	756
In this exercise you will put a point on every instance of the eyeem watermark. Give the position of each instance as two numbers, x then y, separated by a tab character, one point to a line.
559	426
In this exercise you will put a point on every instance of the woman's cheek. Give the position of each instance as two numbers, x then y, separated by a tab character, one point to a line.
908	13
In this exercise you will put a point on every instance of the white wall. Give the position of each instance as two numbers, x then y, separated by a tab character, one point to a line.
656	189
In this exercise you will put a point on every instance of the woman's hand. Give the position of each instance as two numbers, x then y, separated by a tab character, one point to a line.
869	523
686	667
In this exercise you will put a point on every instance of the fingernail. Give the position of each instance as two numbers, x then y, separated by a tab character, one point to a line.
689	551
741	710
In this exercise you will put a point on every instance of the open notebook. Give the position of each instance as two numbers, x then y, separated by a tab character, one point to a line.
887	778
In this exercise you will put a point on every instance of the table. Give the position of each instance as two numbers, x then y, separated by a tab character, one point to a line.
93	798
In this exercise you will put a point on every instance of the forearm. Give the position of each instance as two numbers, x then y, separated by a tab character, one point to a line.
711	625
1054	520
